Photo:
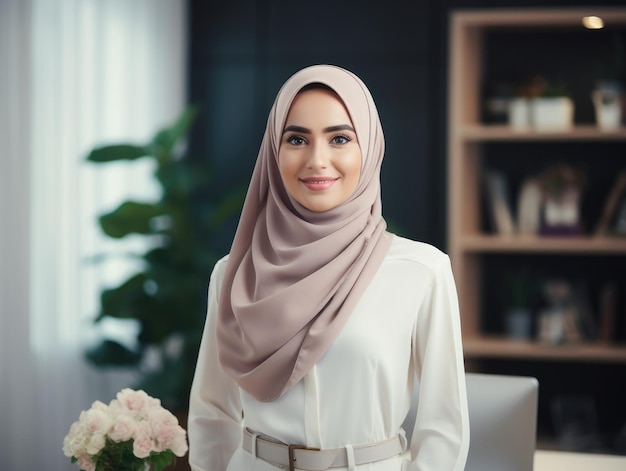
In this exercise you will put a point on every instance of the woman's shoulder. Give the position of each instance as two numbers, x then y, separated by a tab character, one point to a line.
221	263
413	251
219	268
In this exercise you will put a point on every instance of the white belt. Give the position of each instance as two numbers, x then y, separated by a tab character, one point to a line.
313	459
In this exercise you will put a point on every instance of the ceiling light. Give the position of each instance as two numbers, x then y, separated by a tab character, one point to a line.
593	22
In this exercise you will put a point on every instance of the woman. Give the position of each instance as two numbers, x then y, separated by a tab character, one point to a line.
319	319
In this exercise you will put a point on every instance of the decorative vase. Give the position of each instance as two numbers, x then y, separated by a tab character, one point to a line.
607	103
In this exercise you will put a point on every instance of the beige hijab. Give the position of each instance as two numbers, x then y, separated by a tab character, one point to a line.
294	276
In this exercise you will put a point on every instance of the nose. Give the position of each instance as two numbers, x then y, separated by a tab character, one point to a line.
318	157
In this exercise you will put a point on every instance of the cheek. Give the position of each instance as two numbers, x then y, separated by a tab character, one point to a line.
353	169
286	168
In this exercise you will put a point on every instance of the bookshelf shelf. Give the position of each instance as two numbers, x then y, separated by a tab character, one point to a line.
535	244
493	347
486	133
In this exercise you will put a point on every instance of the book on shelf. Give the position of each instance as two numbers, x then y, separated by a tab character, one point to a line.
498	202
615	202
529	205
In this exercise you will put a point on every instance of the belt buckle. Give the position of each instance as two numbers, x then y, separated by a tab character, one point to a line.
292	457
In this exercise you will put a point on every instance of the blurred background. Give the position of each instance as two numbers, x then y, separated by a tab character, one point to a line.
181	90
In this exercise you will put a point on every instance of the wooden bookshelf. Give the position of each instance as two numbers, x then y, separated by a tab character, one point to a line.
468	242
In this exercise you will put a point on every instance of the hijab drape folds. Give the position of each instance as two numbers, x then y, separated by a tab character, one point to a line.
294	276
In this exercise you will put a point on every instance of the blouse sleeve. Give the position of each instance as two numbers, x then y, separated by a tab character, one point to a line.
440	439
215	412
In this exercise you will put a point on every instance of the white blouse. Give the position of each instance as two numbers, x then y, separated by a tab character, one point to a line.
406	325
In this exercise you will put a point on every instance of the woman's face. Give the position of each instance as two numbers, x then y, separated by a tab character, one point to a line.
319	156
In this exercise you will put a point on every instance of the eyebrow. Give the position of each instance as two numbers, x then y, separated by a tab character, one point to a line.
300	129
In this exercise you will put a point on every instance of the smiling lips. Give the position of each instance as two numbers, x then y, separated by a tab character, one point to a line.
318	183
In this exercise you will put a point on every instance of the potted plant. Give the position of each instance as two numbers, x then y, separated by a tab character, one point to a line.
542	106
608	93
167	296
519	310
562	187
552	109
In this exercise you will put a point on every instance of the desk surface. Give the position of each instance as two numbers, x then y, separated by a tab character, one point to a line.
565	461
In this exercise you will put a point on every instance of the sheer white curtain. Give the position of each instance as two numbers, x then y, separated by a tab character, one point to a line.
73	74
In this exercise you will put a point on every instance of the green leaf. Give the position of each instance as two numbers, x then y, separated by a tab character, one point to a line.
162	460
174	179
111	353
123	301
165	140
117	152
229	206
130	217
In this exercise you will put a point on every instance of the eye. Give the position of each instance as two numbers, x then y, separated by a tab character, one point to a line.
295	140
340	139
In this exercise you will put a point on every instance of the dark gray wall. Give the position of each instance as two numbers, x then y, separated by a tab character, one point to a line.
241	53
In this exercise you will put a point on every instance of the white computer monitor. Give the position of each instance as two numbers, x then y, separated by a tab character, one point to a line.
503	421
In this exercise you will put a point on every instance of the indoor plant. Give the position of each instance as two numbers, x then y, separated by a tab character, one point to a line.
552	109
167	296
541	105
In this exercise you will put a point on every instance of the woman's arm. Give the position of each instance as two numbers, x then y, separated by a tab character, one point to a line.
215	414
440	439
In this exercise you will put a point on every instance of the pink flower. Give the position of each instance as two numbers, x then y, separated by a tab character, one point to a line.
179	445
99	405
123	429
132	400
142	443
97	421
96	443
164	427
84	462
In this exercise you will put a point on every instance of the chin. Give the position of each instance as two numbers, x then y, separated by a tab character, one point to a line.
319	208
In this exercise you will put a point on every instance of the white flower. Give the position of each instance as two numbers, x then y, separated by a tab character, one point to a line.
99	405
132	400
74	440
123	429
96	443
143	443
179	445
164	426
97	421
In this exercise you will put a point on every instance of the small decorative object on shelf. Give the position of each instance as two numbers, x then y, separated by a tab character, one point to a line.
562	187
131	433
560	321
607	102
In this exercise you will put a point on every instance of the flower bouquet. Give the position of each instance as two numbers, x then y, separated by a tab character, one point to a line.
131	433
